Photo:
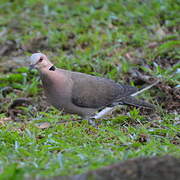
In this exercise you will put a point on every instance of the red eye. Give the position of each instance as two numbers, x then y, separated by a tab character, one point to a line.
41	59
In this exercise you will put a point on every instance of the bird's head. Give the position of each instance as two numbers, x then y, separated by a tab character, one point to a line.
40	62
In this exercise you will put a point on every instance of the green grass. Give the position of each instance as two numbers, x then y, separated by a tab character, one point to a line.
104	38
77	147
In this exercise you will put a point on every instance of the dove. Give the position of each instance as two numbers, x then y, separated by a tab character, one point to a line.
80	93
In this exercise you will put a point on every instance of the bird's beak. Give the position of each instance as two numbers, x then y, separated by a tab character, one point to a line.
32	66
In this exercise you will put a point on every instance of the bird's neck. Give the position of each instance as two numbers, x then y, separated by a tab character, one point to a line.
45	70
49	75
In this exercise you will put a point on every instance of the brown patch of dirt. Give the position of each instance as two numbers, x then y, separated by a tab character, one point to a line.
165	62
171	98
36	44
165	94
143	138
8	47
15	48
12	111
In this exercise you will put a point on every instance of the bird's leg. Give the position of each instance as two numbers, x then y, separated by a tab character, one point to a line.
92	122
99	115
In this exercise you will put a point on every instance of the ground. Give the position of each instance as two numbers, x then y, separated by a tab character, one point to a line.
131	42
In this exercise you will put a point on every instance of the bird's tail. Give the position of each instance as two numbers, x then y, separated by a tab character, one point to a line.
130	100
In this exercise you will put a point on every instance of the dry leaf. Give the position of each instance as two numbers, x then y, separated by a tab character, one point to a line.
4	120
44	125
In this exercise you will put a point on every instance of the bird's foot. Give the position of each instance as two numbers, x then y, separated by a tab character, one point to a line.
92	121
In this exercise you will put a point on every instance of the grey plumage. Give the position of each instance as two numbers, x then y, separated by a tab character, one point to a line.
81	93
96	92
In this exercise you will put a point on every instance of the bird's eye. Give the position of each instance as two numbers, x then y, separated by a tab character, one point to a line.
41	59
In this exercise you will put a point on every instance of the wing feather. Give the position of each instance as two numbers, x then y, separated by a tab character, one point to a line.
96	92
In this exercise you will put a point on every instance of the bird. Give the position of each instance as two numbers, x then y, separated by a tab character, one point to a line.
80	93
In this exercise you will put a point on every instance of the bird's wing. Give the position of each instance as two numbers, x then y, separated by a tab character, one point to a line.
95	92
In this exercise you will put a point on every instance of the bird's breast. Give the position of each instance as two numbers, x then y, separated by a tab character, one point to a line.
57	88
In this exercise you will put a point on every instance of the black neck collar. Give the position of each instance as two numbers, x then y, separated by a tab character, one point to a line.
52	68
